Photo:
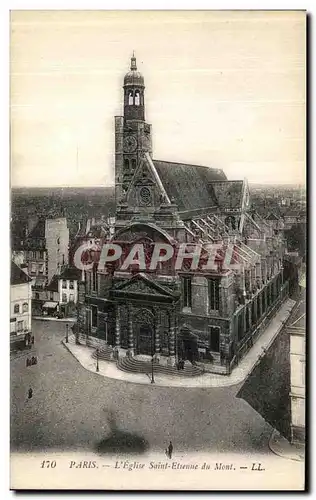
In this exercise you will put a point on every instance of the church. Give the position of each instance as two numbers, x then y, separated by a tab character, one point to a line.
209	318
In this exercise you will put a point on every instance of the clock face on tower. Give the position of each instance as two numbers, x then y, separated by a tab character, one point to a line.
129	144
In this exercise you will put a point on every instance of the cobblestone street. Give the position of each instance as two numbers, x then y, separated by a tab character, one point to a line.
75	409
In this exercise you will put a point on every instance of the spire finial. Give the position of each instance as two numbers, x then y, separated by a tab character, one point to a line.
133	62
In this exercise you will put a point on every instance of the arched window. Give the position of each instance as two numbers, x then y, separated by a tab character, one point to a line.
126	164
130	97
16	308
137	98
133	164
25	307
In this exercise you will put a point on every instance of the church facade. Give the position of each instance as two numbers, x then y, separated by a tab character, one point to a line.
208	317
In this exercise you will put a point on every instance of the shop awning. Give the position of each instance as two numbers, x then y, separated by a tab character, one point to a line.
50	305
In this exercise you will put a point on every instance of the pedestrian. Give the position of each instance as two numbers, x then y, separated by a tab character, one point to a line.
170	449
35	360
30	392
33	339
27	362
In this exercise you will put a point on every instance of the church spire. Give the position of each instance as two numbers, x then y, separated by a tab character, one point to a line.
133	62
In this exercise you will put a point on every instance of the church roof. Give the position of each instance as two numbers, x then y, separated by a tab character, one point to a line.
191	186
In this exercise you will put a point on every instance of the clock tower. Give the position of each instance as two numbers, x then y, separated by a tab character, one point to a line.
132	133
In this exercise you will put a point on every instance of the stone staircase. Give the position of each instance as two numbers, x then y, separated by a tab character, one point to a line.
105	353
132	365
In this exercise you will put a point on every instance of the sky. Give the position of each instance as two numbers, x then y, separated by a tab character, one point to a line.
223	89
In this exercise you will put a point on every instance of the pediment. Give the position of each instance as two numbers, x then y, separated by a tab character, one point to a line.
142	285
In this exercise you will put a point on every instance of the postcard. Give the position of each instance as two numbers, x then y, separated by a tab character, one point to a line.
158	250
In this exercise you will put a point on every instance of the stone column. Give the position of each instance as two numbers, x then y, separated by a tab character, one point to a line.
156	326
157	339
130	333
172	358
117	328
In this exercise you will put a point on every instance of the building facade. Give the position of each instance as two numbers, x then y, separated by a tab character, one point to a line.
205	316
45	252
297	332
20	308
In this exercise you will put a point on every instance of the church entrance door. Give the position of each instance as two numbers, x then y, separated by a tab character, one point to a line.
144	339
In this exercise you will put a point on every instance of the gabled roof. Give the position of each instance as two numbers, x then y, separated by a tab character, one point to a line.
53	285
18	277
189	185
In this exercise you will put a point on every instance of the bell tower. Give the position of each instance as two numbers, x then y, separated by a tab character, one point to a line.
132	133
134	105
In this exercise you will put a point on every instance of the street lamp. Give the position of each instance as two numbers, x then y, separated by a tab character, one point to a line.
97	353
152	357
66	333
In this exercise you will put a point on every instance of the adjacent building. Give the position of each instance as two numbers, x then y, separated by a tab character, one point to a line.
20	308
62	292
297	333
209	317
276	386
45	251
